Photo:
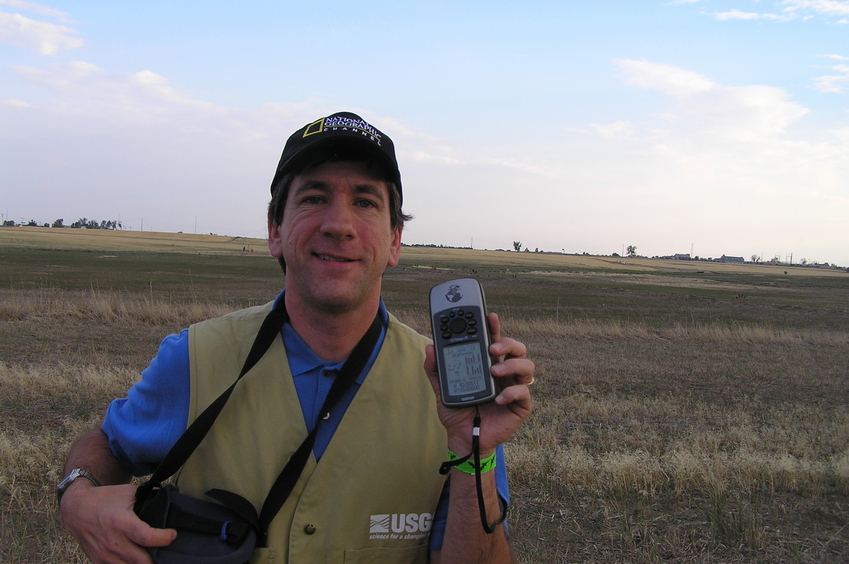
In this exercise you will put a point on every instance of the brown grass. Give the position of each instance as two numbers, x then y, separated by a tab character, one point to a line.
96	306
698	444
704	429
44	408
109	240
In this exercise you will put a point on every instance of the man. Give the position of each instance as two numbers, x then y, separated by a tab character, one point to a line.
335	225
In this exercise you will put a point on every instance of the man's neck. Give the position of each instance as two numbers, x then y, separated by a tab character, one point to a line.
331	335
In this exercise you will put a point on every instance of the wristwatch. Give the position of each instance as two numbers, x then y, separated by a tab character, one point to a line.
69	479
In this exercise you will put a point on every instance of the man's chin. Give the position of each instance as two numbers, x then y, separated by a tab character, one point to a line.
337	302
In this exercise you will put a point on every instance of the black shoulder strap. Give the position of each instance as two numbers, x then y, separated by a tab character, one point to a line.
192	437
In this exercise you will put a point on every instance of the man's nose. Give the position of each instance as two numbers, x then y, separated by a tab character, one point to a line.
338	219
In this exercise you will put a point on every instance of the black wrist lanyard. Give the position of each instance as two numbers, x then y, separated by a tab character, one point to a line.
476	453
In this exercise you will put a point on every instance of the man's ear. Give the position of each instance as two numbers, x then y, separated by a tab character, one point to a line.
275	239
395	247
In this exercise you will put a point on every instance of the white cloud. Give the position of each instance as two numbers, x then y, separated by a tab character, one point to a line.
821	7
141	97
35	8
615	130
423	156
736	15
665	78
724	164
835	84
94	130
15	103
42	37
741	113
793	9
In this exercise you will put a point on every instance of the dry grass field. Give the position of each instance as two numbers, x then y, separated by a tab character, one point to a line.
685	412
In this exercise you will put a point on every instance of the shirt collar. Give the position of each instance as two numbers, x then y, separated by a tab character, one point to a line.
301	357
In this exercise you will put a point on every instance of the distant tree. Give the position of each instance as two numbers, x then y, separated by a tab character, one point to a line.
59	223
631	250
32	223
517	246
9	223
756	259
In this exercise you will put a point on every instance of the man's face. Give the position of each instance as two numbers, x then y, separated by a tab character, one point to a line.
336	237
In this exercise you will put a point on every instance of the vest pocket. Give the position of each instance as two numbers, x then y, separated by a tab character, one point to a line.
263	555
382	555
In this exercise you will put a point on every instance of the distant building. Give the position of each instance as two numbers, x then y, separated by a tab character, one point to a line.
726	258
679	256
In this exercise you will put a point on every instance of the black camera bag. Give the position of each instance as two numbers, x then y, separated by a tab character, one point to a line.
207	532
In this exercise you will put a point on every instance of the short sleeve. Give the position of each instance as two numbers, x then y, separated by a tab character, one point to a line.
143	427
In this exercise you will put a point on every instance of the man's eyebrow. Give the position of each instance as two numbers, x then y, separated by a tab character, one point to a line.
373	190
311	185
369	188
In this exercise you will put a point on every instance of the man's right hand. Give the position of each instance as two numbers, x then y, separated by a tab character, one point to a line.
104	524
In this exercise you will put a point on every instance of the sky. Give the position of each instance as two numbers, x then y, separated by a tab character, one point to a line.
712	127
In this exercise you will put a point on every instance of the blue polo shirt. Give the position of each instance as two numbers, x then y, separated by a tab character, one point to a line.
143	427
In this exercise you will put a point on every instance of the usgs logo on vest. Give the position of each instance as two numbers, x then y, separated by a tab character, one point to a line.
401	526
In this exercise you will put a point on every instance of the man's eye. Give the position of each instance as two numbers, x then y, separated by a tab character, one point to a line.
366	204
312	200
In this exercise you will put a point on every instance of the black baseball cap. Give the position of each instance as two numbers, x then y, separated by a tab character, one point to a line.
345	130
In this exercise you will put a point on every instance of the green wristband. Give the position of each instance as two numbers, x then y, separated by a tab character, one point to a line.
487	464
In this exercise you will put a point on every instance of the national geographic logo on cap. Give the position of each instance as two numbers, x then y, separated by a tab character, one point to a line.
343	123
342	133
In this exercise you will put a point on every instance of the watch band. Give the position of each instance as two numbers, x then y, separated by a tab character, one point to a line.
71	478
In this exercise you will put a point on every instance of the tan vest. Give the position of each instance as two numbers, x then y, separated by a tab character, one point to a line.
371	498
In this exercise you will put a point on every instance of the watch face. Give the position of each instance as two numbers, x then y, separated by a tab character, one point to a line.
68	480
71	477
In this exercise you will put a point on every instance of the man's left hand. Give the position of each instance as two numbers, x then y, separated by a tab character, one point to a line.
500	419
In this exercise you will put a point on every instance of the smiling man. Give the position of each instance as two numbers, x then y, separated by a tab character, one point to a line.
336	239
371	490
